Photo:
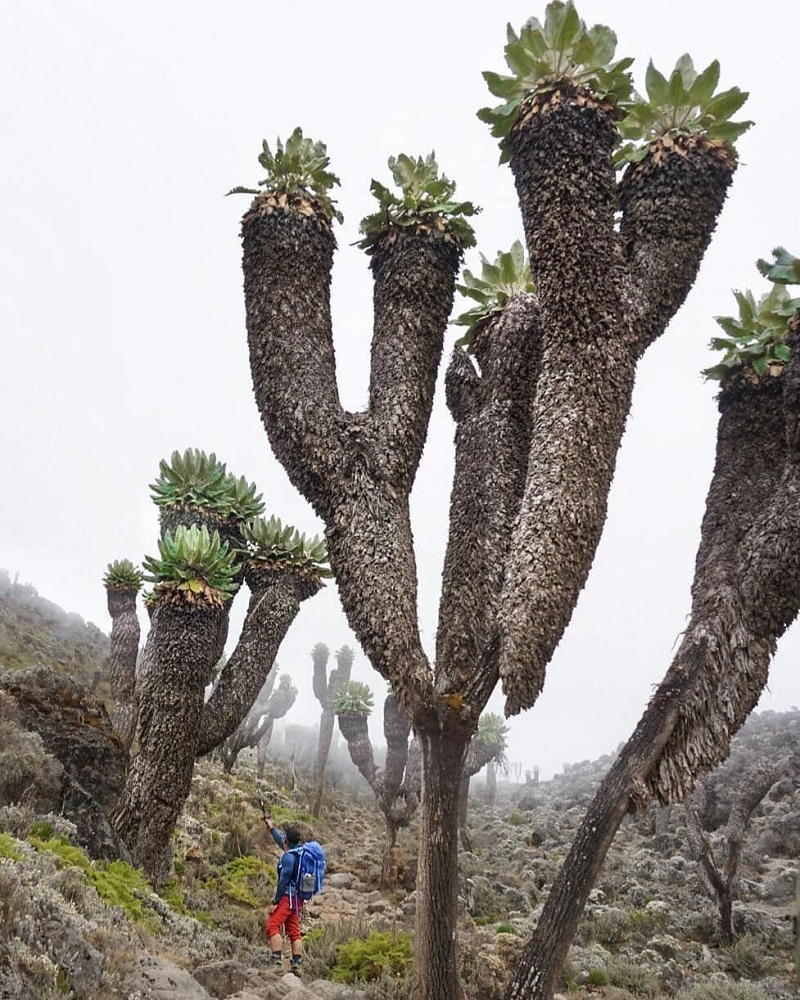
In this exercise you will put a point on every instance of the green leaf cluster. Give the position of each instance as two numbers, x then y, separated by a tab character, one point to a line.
195	563
755	341
354	698
509	275
784	269
368	959
297	171
426	203
270	541
200	479
492	730
541	56
121	574
683	105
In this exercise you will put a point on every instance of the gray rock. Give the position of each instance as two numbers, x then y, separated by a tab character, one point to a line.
160	979
75	729
341	880
221	979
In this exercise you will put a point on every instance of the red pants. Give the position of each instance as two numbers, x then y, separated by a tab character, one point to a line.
288	914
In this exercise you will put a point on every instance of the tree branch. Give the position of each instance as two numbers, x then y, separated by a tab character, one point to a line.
670	210
493	414
274	602
414	286
287	264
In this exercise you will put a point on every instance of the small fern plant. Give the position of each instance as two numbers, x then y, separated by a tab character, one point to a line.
754	344
194	567
354	698
562	50
297	177
426	203
509	275
684	106
122	574
379	955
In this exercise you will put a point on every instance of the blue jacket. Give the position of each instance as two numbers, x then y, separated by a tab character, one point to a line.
287	866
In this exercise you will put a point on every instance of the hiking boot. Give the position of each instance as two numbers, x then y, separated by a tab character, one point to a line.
296	969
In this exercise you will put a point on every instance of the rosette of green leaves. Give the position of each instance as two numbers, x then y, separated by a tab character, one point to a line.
196	478
492	730
244	500
191	478
297	171
509	275
426	203
784	269
755	340
122	574
354	698
271	541
195	563
685	104
562	50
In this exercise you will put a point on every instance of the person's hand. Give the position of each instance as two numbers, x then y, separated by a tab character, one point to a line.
269	822
273	908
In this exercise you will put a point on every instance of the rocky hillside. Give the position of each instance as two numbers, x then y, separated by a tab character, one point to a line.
86	927
35	631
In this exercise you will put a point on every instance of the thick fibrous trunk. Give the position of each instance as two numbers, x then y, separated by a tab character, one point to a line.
173	675
122	661
592	339
463	810
326	723
436	967
745	593
276	595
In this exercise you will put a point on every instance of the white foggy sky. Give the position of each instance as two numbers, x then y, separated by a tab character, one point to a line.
121	291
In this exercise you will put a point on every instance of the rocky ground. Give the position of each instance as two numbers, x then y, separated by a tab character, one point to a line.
81	926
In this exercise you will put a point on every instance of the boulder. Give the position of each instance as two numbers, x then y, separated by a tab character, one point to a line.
159	979
75	729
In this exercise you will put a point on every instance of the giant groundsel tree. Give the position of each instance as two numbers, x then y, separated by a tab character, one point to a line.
745	594
212	539
540	393
326	691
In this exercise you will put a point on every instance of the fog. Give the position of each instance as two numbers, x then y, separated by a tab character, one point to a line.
123	324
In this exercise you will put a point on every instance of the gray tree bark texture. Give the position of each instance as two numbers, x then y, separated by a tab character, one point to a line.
539	416
746	592
122	661
720	879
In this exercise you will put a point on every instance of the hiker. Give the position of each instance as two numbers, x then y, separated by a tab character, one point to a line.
301	868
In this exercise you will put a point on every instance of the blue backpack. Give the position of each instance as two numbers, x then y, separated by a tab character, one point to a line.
310	870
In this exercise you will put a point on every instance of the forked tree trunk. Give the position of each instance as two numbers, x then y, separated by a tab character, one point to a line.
436	972
181	649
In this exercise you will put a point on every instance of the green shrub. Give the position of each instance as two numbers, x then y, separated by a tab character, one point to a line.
506	929
723	991
748	957
516	819
646	923
7	847
632	978
366	959
610	929
597	977
484	919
